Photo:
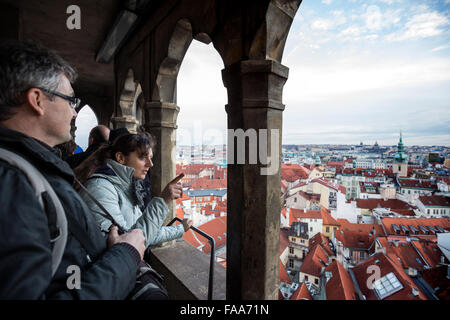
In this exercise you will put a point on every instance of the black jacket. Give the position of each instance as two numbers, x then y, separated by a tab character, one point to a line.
76	159
25	248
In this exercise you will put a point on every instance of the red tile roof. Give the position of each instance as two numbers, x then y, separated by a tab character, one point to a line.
297	214
404	212
293	172
325	182
184	197
358	235
322	214
386	265
437	278
314	261
206	183
327	219
302	293
216	228
193	169
283	275
417	183
284	239
435	201
381	203
389	222
404	252
320	239
429	251
340	286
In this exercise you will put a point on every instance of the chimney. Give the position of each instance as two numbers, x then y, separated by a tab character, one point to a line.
412	272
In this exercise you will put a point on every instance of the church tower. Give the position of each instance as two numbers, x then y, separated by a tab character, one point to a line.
400	165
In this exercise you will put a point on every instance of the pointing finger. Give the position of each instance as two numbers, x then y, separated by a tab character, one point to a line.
178	178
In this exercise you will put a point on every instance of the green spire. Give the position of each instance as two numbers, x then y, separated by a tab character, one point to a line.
400	156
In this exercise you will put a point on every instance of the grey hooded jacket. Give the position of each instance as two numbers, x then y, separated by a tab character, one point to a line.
119	195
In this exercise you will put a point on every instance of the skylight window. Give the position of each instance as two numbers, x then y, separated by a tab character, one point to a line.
387	285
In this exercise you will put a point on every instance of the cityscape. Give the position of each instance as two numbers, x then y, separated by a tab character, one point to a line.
357	222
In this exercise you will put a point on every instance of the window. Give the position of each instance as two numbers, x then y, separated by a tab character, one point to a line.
295	199
327	229
306	278
362	255
291	250
291	263
310	229
316	281
387	285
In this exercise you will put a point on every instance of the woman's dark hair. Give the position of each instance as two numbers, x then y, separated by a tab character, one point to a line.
67	148
125	144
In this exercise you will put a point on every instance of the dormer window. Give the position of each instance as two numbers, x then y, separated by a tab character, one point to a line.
387	286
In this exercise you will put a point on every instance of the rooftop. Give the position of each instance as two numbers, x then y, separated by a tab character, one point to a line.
386	267
340	286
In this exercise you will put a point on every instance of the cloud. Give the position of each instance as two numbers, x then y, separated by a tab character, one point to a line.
327	2
421	25
322	24
441	47
351	31
331	78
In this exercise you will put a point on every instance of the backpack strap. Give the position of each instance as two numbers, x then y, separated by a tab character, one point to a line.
49	201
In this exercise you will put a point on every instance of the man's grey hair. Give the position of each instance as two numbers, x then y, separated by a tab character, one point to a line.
25	65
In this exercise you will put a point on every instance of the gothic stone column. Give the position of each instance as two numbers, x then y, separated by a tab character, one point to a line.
128	122
161	123
254	97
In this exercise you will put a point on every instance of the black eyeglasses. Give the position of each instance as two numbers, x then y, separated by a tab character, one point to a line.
73	101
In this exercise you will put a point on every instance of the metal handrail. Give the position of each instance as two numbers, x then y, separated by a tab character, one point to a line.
213	255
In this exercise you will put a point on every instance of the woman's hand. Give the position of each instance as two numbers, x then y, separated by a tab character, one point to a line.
187	224
173	190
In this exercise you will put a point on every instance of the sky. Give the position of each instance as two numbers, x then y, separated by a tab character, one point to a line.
359	71
84	122
364	70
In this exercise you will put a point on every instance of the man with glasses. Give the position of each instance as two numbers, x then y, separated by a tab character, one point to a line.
37	105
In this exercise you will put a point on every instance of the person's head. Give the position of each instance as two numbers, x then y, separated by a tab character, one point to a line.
99	135
36	96
115	133
132	150
135	151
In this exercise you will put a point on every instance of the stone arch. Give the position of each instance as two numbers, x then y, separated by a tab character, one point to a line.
271	36
139	103
165	86
127	95
126	111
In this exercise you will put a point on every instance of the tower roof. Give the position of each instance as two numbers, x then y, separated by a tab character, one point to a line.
400	156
